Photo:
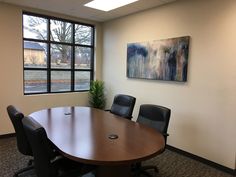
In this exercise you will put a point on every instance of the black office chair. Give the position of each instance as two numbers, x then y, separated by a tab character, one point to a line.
47	163
158	118
22	141
123	106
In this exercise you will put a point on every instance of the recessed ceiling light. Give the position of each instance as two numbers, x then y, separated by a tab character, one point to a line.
107	5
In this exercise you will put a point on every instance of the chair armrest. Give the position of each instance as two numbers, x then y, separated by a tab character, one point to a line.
130	117
165	134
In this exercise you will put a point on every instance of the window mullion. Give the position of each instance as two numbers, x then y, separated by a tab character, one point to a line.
49	57
73	59
92	55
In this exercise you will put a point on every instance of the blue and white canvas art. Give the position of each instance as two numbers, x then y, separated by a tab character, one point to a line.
159	60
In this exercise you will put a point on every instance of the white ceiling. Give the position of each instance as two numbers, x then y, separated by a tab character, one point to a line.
76	8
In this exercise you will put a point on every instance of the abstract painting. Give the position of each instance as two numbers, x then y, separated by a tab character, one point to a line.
159	60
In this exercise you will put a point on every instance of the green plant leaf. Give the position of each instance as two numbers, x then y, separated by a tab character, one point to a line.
96	94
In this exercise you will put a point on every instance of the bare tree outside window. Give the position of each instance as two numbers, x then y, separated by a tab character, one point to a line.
83	34
35	27
68	42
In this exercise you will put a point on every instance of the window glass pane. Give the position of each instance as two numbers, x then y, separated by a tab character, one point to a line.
82	80
83	57
83	34
60	81
60	56
35	81
61	31
35	27
35	54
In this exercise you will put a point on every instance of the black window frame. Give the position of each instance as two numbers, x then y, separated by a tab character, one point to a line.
73	45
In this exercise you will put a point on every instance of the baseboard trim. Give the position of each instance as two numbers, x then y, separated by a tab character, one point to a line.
7	135
203	160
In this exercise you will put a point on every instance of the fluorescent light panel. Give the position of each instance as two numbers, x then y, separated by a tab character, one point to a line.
107	5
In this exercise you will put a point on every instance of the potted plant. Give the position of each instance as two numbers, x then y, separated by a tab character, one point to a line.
96	94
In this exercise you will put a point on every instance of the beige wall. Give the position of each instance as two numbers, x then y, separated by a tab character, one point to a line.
203	109
11	72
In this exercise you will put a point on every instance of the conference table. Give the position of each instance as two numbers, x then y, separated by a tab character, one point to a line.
98	137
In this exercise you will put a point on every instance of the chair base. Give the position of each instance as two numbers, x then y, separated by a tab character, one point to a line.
23	170
29	167
138	170
149	167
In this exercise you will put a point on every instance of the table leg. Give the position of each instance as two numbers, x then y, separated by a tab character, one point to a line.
114	171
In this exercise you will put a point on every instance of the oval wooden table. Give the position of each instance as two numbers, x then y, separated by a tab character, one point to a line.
83	134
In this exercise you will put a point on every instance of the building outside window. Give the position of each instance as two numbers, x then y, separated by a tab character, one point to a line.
58	55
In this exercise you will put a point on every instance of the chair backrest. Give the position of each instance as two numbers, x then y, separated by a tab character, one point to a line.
123	105
155	116
42	150
22	141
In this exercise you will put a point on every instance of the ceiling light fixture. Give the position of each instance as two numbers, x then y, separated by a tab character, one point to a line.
107	5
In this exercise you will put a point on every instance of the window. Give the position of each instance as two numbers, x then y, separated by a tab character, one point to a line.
58	55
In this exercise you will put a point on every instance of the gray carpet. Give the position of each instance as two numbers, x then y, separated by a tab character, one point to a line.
170	164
